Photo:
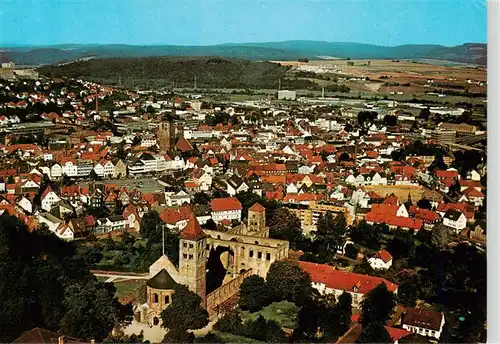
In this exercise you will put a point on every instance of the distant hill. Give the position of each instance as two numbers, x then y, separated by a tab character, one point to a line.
474	53
210	72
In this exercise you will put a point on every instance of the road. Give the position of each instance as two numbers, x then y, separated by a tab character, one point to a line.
114	275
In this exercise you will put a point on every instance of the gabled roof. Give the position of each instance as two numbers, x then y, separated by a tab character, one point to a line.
225	204
341	280
193	230
162	280
41	336
384	255
423	318
257	207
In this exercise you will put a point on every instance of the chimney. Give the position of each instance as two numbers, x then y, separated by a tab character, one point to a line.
60	340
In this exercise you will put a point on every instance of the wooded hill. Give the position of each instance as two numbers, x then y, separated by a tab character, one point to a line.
210	72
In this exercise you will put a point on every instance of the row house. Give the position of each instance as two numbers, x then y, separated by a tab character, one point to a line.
226	209
327	280
111	223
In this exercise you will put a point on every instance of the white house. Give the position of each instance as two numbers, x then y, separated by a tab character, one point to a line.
424	322
56	171
49	198
50	221
99	169
70	168
455	219
327	280
236	185
382	260
226	209
177	199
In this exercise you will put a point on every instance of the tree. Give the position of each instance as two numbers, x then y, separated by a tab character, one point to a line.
407	292
402	244
390	120
424	204
377	305
185	311
439	236
92	310
209	338
151	227
201	198
351	251
253	294
10	180
175	336
45	274
286	226
367	235
425	114
414	339
230	323
287	281
374	333
330	233
343	311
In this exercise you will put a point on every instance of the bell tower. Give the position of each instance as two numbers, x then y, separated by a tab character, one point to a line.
193	257
256	218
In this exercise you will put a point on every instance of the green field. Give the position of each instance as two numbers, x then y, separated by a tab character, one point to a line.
232	338
126	287
284	313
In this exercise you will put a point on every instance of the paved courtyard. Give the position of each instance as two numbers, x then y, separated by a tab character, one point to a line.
155	334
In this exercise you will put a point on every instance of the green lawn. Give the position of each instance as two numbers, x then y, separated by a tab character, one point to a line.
284	313
102	278
232	338
126	287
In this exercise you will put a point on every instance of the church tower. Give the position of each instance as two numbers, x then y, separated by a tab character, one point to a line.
256	218
166	136
193	257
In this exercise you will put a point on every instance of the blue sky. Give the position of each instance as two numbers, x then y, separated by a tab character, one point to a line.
207	22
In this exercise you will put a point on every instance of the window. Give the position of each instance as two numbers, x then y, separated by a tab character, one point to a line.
185	244
208	247
259	255
190	256
191	246
167	299
251	254
268	256
155	298
184	256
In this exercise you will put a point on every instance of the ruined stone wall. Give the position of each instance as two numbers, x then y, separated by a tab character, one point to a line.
225	292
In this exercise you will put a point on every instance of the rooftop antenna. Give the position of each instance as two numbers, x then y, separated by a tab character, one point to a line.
96	100
163	239
279	84
323	93
195	82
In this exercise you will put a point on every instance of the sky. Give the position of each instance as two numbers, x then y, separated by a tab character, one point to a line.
209	22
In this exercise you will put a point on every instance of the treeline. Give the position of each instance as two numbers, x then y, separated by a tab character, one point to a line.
176	71
46	283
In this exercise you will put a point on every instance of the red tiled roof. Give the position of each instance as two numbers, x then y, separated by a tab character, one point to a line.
393	220
384	255
397	333
183	145
472	192
257	207
225	204
424	214
341	280
446	174
193	230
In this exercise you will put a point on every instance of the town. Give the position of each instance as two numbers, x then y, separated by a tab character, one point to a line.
193	215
